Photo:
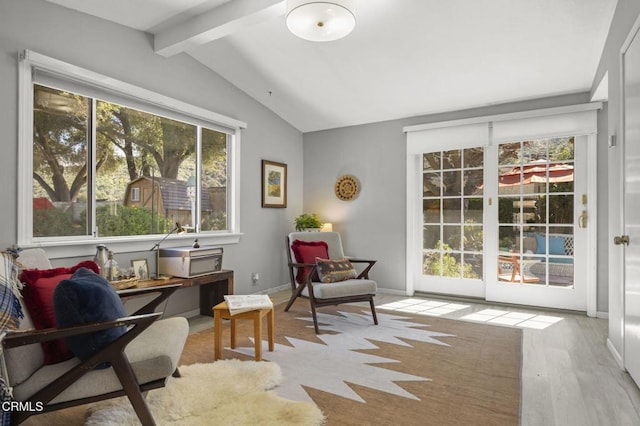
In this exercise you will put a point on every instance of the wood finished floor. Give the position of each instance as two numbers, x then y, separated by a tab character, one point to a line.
568	375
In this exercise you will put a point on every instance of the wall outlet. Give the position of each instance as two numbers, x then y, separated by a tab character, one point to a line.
255	277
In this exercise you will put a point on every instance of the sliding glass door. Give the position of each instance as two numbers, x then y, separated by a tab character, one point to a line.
527	245
540	188
502	218
536	212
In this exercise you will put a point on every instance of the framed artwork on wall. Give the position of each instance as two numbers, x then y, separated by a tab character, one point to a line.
274	184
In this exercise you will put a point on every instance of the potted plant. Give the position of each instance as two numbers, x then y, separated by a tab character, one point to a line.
306	222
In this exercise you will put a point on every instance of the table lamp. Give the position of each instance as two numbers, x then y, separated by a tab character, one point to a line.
178	230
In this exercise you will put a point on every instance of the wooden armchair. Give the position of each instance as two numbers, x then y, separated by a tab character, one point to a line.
141	359
513	273
305	282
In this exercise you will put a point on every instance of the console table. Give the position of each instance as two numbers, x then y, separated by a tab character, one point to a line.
213	287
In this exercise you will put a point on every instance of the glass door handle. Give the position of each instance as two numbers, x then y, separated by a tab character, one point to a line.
620	240
582	220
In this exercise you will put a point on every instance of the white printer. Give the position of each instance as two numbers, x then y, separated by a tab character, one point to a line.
189	262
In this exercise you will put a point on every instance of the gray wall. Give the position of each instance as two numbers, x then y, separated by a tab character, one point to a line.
126	54
626	14
374	224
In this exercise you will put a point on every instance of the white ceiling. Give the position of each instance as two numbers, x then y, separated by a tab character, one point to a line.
405	57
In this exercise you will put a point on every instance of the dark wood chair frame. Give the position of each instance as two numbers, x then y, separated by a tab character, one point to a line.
296	289
112	353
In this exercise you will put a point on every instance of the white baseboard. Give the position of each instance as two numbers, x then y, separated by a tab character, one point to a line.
282	287
602	315
393	291
616	355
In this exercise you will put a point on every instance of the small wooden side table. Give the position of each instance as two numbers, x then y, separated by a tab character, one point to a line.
221	311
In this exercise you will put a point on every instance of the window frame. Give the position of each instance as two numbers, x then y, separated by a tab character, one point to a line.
570	120
135	194
29	63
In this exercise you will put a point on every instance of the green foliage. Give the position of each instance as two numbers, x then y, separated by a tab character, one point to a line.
450	266
505	209
473	238
113	220
560	208
54	223
506	243
130	143
130	221
59	142
561	149
214	222
307	221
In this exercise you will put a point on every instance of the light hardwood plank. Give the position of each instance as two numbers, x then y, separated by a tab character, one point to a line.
568	375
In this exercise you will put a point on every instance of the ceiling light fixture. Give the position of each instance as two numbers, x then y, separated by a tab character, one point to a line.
320	20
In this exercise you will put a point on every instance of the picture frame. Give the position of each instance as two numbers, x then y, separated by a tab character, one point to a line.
274	184
140	269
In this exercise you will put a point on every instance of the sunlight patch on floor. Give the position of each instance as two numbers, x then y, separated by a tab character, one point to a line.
516	319
423	306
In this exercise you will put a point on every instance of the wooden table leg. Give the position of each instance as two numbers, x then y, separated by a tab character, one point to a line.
257	333
217	333
271	323
233	333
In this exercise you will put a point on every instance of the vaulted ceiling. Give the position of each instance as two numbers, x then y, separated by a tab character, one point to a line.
404	58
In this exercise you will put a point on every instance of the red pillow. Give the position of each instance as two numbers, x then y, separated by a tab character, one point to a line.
38	299
306	252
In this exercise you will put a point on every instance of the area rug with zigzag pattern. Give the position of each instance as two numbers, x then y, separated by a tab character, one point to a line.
407	370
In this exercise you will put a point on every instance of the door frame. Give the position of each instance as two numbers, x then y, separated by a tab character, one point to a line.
620	264
413	183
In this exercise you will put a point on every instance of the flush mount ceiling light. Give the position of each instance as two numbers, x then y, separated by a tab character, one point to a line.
320	20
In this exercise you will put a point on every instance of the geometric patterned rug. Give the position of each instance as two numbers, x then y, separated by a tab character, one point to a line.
408	369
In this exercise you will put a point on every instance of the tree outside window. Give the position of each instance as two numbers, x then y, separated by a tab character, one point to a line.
142	166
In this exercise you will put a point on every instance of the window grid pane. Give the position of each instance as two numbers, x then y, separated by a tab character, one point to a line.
536	210
60	158
453	213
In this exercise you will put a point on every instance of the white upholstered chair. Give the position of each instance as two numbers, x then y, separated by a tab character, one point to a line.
305	282
141	359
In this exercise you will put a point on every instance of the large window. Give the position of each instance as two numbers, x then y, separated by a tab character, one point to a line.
107	165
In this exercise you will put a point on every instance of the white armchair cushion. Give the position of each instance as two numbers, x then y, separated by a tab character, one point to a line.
153	355
342	289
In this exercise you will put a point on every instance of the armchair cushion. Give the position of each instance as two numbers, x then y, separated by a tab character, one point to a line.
84	298
306	252
346	288
38	299
556	245
331	271
152	355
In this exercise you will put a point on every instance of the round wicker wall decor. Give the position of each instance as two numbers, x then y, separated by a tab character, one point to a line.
347	187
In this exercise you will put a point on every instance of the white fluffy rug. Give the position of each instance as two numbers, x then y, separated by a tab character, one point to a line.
227	392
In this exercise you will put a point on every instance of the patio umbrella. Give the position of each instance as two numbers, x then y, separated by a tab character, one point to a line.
537	173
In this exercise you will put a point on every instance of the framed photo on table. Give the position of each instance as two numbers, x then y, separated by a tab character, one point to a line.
140	268
274	184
